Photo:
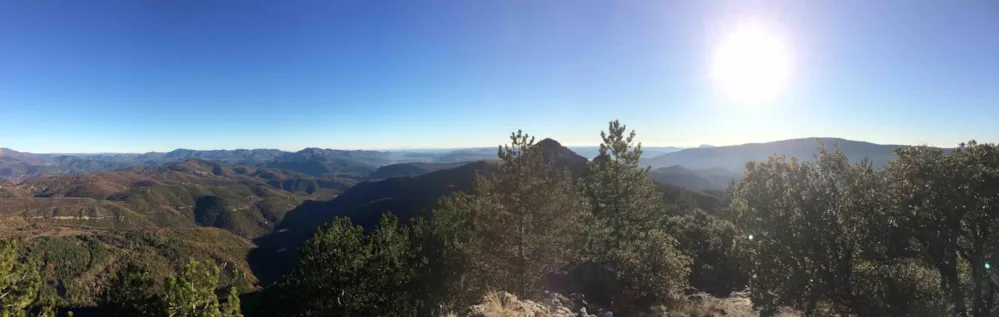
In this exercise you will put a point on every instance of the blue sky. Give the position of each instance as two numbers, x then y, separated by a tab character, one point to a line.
136	76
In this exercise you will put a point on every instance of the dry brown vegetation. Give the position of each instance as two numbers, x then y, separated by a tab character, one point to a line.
80	229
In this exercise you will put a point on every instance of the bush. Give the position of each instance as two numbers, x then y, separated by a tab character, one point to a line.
711	243
345	272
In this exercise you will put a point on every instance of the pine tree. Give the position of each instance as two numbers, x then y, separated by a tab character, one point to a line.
19	282
519	223
130	292
192	293
344	271
232	306
627	233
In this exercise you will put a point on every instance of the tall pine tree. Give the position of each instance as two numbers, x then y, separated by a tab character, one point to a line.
521	222
627	233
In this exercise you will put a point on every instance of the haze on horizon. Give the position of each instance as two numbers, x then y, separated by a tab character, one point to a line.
137	76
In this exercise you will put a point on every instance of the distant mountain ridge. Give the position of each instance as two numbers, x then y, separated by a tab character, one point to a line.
647	151
360	164
312	161
734	157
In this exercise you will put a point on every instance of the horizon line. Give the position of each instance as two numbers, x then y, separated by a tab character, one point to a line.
390	149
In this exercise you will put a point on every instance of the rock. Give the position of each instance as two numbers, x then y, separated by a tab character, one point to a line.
691	290
503	304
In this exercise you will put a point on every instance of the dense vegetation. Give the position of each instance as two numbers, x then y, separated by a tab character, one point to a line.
828	236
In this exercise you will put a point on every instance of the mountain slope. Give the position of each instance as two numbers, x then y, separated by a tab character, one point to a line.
86	226
406	197
410	169
11	155
697	180
243	200
734	157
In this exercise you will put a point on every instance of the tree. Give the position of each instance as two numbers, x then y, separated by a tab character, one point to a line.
520	223
19	282
192	293
626	234
948	203
232	306
130	292
806	228
711	243
345	272
442	266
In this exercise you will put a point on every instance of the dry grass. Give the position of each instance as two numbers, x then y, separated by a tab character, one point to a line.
708	306
498	305
502	304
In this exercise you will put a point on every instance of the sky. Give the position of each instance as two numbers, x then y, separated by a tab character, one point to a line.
138	76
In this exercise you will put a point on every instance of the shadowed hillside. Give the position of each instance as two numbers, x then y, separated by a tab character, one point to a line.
409	169
697	180
364	203
405	197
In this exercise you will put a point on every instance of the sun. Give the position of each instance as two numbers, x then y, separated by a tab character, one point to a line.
751	65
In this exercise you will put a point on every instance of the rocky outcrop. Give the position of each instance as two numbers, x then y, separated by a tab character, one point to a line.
503	304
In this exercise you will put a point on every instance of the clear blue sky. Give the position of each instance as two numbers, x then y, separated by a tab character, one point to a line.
136	76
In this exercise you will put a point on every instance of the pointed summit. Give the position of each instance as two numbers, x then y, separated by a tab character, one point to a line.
563	157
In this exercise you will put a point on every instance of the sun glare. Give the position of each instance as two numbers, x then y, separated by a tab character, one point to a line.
751	65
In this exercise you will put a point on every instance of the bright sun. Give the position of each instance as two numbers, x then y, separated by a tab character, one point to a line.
751	65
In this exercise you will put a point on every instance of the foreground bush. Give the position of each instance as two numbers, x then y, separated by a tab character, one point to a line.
345	272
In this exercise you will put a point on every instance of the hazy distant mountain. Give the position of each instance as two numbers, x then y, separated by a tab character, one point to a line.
591	152
11	155
410	169
360	163
312	161
457	156
228	156
697	180
705	146
734	157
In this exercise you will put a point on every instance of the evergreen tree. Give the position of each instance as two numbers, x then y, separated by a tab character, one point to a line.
442	264
130	292
231	308
522	221
345	272
192	293
19	284
627	233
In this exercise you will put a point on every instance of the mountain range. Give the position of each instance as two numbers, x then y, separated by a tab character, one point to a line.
263	203
701	168
311	161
